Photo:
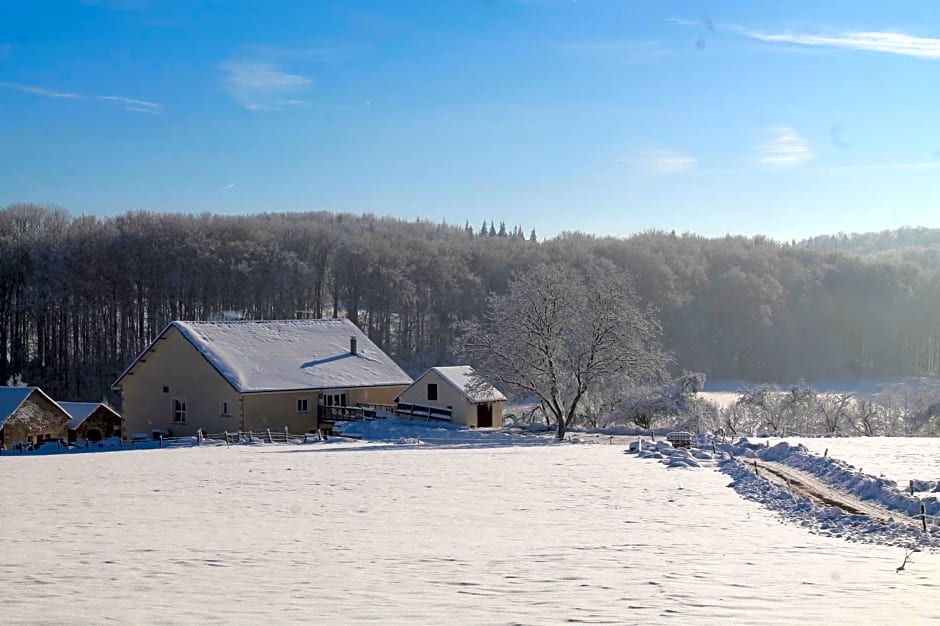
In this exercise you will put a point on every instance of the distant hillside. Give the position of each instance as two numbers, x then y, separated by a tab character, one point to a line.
80	296
920	246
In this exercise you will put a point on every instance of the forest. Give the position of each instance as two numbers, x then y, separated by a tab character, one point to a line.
81	295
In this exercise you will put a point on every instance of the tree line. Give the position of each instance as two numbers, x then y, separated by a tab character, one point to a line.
81	295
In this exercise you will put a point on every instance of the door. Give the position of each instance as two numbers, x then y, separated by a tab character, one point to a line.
484	415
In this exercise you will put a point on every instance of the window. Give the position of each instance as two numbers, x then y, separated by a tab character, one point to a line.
432	391
166	390
302	406
179	411
225	408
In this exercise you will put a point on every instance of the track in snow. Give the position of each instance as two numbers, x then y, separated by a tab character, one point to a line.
819	492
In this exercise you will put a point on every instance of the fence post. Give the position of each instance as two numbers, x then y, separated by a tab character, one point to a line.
270	438
251	436
286	435
923	515
161	440
912	487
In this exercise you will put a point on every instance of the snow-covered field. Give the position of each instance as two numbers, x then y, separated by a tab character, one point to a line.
470	530
899	458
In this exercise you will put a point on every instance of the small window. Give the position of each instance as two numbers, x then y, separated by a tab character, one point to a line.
166	390
179	411
302	406
225	408
432	391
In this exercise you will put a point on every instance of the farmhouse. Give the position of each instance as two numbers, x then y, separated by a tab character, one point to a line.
27	414
455	393
91	421
247	375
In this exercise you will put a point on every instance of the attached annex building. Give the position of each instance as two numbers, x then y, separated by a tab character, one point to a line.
253	375
91	421
455	393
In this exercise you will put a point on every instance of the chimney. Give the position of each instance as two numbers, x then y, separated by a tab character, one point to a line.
352	346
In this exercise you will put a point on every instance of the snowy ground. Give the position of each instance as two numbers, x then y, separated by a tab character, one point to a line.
423	527
899	458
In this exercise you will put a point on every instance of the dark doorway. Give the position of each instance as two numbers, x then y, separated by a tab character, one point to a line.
93	434
484	415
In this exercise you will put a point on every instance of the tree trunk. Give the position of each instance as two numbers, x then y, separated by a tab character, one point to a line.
561	428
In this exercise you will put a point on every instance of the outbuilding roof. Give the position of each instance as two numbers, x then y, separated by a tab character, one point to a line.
10	400
465	379
12	397
81	411
287	355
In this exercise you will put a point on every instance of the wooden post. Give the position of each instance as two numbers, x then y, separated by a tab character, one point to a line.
161	440
286	435
270	438
251	436
912	487
923	515
826	453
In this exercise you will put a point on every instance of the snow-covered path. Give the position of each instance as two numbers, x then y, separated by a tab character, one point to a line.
353	533
808	486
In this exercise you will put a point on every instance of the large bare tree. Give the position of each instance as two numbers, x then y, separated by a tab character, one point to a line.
560	333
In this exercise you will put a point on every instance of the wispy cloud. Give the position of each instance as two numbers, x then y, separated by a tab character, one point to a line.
898	43
39	91
663	161
226	188
625	52
263	86
885	41
785	148
133	104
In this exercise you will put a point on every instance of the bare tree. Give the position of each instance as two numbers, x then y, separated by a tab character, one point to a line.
560	334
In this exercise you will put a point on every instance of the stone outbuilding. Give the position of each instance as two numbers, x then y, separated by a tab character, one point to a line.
28	415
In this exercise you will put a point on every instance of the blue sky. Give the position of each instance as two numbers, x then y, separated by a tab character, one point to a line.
782	118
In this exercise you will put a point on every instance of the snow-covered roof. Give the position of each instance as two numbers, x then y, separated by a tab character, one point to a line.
12	397
10	400
283	355
80	411
466	380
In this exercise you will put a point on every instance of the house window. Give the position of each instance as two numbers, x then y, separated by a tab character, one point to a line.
179	411
166	390
432	391
225	408
302	406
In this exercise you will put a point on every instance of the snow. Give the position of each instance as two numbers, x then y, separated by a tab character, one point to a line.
78	412
899	458
292	354
488	531
10	400
464	379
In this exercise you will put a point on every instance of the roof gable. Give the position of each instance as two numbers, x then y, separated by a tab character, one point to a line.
286	355
467	382
10	400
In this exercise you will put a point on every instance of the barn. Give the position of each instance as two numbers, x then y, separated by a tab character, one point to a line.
28	415
456	394
252	375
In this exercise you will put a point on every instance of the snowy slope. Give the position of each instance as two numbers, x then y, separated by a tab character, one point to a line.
393	534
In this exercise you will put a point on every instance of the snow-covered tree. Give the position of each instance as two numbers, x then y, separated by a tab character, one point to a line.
560	333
